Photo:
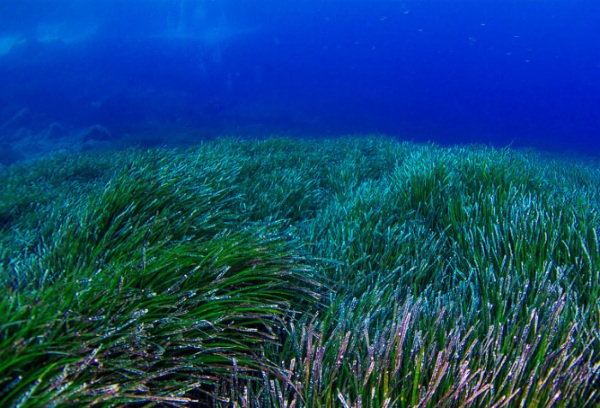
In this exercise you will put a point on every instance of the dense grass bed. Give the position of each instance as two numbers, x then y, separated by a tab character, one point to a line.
356	272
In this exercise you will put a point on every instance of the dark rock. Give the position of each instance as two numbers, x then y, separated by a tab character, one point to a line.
97	133
22	118
56	131
9	155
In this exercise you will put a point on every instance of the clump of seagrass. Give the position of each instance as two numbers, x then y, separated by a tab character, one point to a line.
149	290
449	277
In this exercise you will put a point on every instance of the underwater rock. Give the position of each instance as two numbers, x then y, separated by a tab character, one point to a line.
9	155
97	133
56	131
21	119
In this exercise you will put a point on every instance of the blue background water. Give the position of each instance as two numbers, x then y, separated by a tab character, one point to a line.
91	73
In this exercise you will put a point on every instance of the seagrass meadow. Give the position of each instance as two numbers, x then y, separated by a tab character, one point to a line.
350	272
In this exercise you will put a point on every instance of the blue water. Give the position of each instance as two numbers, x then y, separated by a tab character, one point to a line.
85	74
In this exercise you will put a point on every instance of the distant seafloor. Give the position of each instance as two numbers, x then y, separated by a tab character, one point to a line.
78	76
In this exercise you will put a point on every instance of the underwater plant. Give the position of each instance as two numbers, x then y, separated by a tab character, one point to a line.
353	272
